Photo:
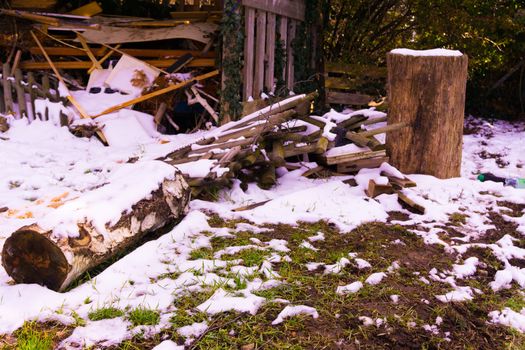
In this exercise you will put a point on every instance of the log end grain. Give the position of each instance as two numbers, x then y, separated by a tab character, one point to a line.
30	257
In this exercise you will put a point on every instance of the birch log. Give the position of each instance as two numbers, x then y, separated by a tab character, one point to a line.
34	255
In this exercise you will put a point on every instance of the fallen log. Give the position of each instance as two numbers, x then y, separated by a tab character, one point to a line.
35	255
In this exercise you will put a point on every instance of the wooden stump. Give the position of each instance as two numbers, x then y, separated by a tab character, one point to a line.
34	255
426	89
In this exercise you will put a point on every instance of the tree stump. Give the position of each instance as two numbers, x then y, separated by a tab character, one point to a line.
34	255
426	89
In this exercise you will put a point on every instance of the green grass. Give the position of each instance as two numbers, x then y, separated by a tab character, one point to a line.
105	313
144	316
31	338
202	253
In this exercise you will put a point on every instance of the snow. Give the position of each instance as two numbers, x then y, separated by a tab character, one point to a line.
102	333
349	288
54	179
375	278
168	345
290	311
426	53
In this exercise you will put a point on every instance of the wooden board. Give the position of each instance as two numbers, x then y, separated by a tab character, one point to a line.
249	46
260	42
345	98
33	4
30	65
288	8
118	35
290	79
270	52
355	166
153	53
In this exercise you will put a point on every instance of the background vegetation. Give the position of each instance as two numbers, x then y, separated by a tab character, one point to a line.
490	32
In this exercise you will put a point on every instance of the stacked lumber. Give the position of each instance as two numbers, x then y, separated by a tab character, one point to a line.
280	135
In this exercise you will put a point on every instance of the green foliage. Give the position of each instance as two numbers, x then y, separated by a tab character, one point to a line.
490	32
31	338
143	316
232	36
105	313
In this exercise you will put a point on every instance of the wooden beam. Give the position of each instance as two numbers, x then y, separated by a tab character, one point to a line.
270	52
99	51
344	98
249	45
260	42
28	65
157	93
290	80
288	8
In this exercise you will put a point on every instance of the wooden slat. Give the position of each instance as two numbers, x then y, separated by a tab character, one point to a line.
283	31
356	70
33	4
8	97
292	26
288	8
270	52
249	45
260	41
29	65
153	53
343	98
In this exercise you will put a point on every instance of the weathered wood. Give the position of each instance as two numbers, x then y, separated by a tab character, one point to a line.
283	33
159	114
249	46
345	158
355	166
277	155
8	97
260	41
290	80
384	129
99	51
427	92
412	206
270	52
288	8
34	255
375	190
363	141
20	94
31	83
157	93
30	65
399	182
345	98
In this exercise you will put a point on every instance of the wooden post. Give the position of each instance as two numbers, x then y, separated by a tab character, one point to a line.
427	91
20	94
260	42
249	45
290	80
8	97
270	52
32	94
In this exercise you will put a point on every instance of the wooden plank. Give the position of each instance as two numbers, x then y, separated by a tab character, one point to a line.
270	52
86	47
288	8
8	97
344	98
249	45
346	158
412	205
20	94
33	4
260	41
341	83
283	31
99	51
30	65
370	71
90	9
375	190
157	93
290	80
355	166
31	82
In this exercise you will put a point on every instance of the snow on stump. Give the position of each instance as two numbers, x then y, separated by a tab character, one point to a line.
95	227
426	89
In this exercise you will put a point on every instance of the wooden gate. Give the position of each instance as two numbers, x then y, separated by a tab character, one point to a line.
260	42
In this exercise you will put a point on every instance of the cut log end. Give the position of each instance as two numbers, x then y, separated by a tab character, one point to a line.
30	257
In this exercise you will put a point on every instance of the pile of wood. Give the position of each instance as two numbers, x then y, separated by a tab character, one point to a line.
282	135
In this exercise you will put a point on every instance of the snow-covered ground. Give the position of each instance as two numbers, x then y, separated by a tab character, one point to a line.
43	167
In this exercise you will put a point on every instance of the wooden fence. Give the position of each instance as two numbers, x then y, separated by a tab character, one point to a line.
261	18
22	90
352	84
